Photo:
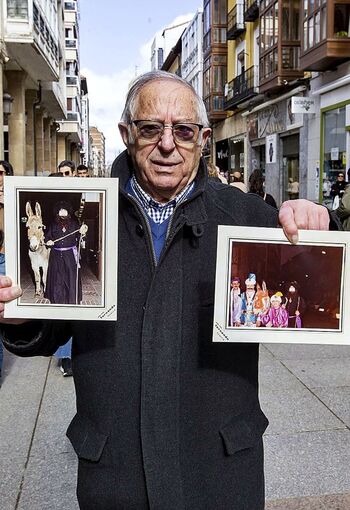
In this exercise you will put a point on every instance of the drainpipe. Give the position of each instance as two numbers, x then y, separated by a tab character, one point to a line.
36	103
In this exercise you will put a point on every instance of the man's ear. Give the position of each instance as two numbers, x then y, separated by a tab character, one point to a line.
205	135
124	132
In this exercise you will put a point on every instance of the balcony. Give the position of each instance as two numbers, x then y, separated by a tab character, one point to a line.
251	10
326	41
242	88
235	22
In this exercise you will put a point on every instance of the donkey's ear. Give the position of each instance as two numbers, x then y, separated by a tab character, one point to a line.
29	210
264	288
37	209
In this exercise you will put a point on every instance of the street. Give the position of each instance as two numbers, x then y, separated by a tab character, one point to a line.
304	391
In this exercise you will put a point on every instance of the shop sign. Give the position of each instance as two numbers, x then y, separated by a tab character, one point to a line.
334	153
271	149
302	104
272	120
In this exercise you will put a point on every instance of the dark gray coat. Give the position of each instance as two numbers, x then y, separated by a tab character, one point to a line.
166	419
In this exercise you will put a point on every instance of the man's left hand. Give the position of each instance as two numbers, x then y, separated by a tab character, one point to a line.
302	214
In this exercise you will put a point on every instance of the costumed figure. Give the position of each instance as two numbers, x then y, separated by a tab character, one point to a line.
277	316
248	317
261	301
64	235
295	306
235	302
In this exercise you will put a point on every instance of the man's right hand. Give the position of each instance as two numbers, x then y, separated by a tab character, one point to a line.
8	292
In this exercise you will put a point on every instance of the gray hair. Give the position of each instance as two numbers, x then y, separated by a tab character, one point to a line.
146	78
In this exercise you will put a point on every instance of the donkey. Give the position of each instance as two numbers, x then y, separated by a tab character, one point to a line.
38	253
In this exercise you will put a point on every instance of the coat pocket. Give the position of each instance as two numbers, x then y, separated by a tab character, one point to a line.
244	431
87	441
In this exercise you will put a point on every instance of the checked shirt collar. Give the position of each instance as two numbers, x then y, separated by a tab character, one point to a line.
156	211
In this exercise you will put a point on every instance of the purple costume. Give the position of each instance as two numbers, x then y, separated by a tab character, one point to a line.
277	317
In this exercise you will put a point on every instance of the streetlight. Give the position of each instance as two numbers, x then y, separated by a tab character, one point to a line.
7	101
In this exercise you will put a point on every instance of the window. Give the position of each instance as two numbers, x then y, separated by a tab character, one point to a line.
17	9
341	20
314	23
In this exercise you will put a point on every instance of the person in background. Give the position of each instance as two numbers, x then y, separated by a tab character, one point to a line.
214	173
67	168
5	169
343	211
257	186
237	181
337	190
82	171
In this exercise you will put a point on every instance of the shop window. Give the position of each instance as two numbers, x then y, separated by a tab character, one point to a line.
334	156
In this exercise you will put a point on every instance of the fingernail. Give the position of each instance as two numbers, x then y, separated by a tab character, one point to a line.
295	239
5	281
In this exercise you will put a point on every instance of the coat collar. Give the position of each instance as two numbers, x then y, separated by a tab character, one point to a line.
193	210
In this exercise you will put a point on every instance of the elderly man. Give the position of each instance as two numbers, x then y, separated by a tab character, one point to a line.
166	419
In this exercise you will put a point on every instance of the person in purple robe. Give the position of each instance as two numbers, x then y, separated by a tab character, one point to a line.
276	316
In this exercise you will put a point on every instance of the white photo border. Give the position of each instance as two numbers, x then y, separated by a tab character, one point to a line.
222	332
108	189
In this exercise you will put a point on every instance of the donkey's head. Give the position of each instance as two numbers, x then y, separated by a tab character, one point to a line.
35	227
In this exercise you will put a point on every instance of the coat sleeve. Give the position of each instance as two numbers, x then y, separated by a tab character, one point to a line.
343	210
36	338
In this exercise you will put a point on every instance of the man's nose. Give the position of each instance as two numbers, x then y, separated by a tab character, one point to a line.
167	142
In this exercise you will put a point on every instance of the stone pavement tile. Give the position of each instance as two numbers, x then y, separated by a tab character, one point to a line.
338	400
274	375
319	373
307	464
296	410
50	483
303	351
265	356
50	478
20	397
330	502
10	480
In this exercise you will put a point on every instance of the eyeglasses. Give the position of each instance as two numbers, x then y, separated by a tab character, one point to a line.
186	133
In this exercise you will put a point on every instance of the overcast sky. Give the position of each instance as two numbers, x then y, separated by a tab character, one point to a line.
115	40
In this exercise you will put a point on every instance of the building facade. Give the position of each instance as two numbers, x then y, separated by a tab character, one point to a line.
192	53
36	79
98	152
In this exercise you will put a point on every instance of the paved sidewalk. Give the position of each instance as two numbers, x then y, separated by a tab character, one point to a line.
305	392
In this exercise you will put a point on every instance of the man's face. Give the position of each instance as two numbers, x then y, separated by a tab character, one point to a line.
291	289
235	285
66	171
82	173
250	286
341	177
164	168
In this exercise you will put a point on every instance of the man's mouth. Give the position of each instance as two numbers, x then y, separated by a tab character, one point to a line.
165	164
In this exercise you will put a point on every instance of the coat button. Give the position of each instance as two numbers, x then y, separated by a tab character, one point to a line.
139	230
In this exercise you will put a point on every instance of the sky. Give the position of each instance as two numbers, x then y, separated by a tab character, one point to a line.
115	46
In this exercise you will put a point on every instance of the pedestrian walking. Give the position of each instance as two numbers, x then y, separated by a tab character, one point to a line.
165	418
257	186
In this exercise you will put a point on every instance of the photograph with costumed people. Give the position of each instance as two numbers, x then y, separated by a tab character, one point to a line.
64	235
